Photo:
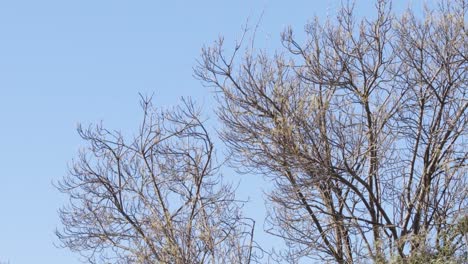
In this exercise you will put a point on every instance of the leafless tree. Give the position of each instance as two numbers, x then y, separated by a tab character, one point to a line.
362	128
157	198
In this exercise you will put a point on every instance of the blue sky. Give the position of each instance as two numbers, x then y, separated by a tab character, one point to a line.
69	62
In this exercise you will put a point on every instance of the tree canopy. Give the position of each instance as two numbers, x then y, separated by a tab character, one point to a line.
362	128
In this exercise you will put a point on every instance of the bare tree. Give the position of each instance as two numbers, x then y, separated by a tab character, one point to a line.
362	128
157	198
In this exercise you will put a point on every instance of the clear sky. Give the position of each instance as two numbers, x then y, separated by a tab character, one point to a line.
83	61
